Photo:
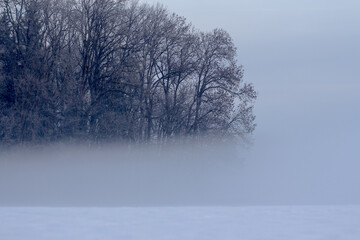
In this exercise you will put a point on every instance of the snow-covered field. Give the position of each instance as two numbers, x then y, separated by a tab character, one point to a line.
200	223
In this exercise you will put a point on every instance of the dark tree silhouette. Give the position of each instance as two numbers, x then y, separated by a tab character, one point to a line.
101	70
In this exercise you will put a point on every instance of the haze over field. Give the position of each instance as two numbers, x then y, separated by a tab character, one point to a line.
178	175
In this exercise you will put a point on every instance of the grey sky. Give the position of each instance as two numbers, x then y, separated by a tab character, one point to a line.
303	58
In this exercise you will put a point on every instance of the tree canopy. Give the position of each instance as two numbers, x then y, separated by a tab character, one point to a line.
104	70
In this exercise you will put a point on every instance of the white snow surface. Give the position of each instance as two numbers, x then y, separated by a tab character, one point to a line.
240	223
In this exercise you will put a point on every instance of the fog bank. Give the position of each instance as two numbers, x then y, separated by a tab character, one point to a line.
269	173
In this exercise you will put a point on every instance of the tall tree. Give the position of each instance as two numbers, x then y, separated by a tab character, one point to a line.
218	84
115	69
33	109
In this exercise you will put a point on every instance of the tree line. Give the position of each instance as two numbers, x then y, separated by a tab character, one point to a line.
104	70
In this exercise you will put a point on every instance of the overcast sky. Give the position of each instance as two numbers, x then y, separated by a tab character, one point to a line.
303	58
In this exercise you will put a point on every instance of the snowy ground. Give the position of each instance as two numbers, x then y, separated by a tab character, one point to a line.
200	223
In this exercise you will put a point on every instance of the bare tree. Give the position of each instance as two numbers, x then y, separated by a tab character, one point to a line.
218	86
115	69
33	101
